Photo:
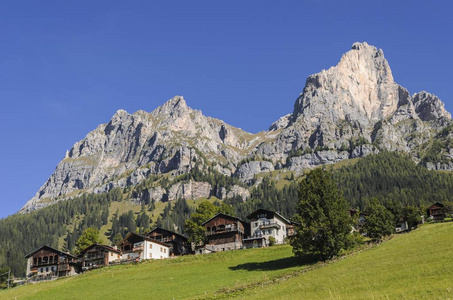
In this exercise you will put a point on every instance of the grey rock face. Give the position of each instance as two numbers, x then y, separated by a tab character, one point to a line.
280	123
248	170
238	191
309	161
189	190
429	107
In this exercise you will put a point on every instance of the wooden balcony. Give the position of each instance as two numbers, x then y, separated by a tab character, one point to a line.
270	225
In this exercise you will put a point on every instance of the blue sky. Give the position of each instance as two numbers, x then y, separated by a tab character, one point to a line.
67	66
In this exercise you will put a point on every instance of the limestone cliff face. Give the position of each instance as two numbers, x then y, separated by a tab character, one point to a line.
350	110
131	147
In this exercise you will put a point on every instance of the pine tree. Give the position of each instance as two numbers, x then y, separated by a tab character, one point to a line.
322	213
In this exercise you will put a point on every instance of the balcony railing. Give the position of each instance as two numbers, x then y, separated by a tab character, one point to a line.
270	225
64	267
219	231
94	257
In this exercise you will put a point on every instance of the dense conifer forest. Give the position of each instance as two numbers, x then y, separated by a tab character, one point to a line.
394	179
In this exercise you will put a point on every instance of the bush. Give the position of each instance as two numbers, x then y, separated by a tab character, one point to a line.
271	241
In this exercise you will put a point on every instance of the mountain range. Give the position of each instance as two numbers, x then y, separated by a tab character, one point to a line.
351	110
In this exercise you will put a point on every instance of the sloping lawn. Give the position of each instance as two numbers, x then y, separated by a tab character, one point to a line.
418	265
184	277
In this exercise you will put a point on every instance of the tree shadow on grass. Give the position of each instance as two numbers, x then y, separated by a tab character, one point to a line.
278	264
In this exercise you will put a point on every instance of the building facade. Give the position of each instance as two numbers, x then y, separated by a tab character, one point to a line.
96	255
436	212
266	223
138	247
224	232
49	262
179	243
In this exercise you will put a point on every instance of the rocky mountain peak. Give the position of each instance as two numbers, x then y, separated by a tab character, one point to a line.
175	107
360	87
429	107
350	110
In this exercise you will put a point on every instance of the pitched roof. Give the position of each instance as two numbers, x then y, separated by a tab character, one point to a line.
270	211
99	245
142	237
168	231
51	249
224	216
437	204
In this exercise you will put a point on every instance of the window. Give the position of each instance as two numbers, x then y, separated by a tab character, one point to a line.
53	269
150	246
111	253
165	250
47	269
42	270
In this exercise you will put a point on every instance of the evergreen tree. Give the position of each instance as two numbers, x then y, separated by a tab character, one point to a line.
322	213
117	239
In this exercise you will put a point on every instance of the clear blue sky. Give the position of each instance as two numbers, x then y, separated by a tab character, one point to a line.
67	66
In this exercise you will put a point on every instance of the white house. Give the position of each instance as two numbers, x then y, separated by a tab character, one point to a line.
266	223
138	247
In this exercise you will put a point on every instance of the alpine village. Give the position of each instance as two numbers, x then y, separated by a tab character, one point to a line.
172	204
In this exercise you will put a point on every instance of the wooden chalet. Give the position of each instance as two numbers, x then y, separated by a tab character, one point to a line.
266	223
179	243
96	255
139	247
436	212
46	262
224	232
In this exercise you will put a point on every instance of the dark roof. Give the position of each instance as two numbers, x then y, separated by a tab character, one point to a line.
142	237
168	231
269	211
51	249
99	245
438	204
224	216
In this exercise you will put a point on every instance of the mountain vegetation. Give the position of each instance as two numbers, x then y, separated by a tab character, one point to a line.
395	180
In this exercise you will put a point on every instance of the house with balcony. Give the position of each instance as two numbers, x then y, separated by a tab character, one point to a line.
48	262
137	247
436	212
265	224
178	242
96	256
224	232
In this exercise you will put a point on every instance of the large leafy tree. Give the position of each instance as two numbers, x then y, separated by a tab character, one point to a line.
380	221
88	237
205	211
322	213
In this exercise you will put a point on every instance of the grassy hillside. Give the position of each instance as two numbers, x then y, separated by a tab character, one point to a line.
417	265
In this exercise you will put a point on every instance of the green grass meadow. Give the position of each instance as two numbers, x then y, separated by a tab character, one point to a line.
418	265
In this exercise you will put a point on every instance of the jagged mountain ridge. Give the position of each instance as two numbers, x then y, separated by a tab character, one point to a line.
350	110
